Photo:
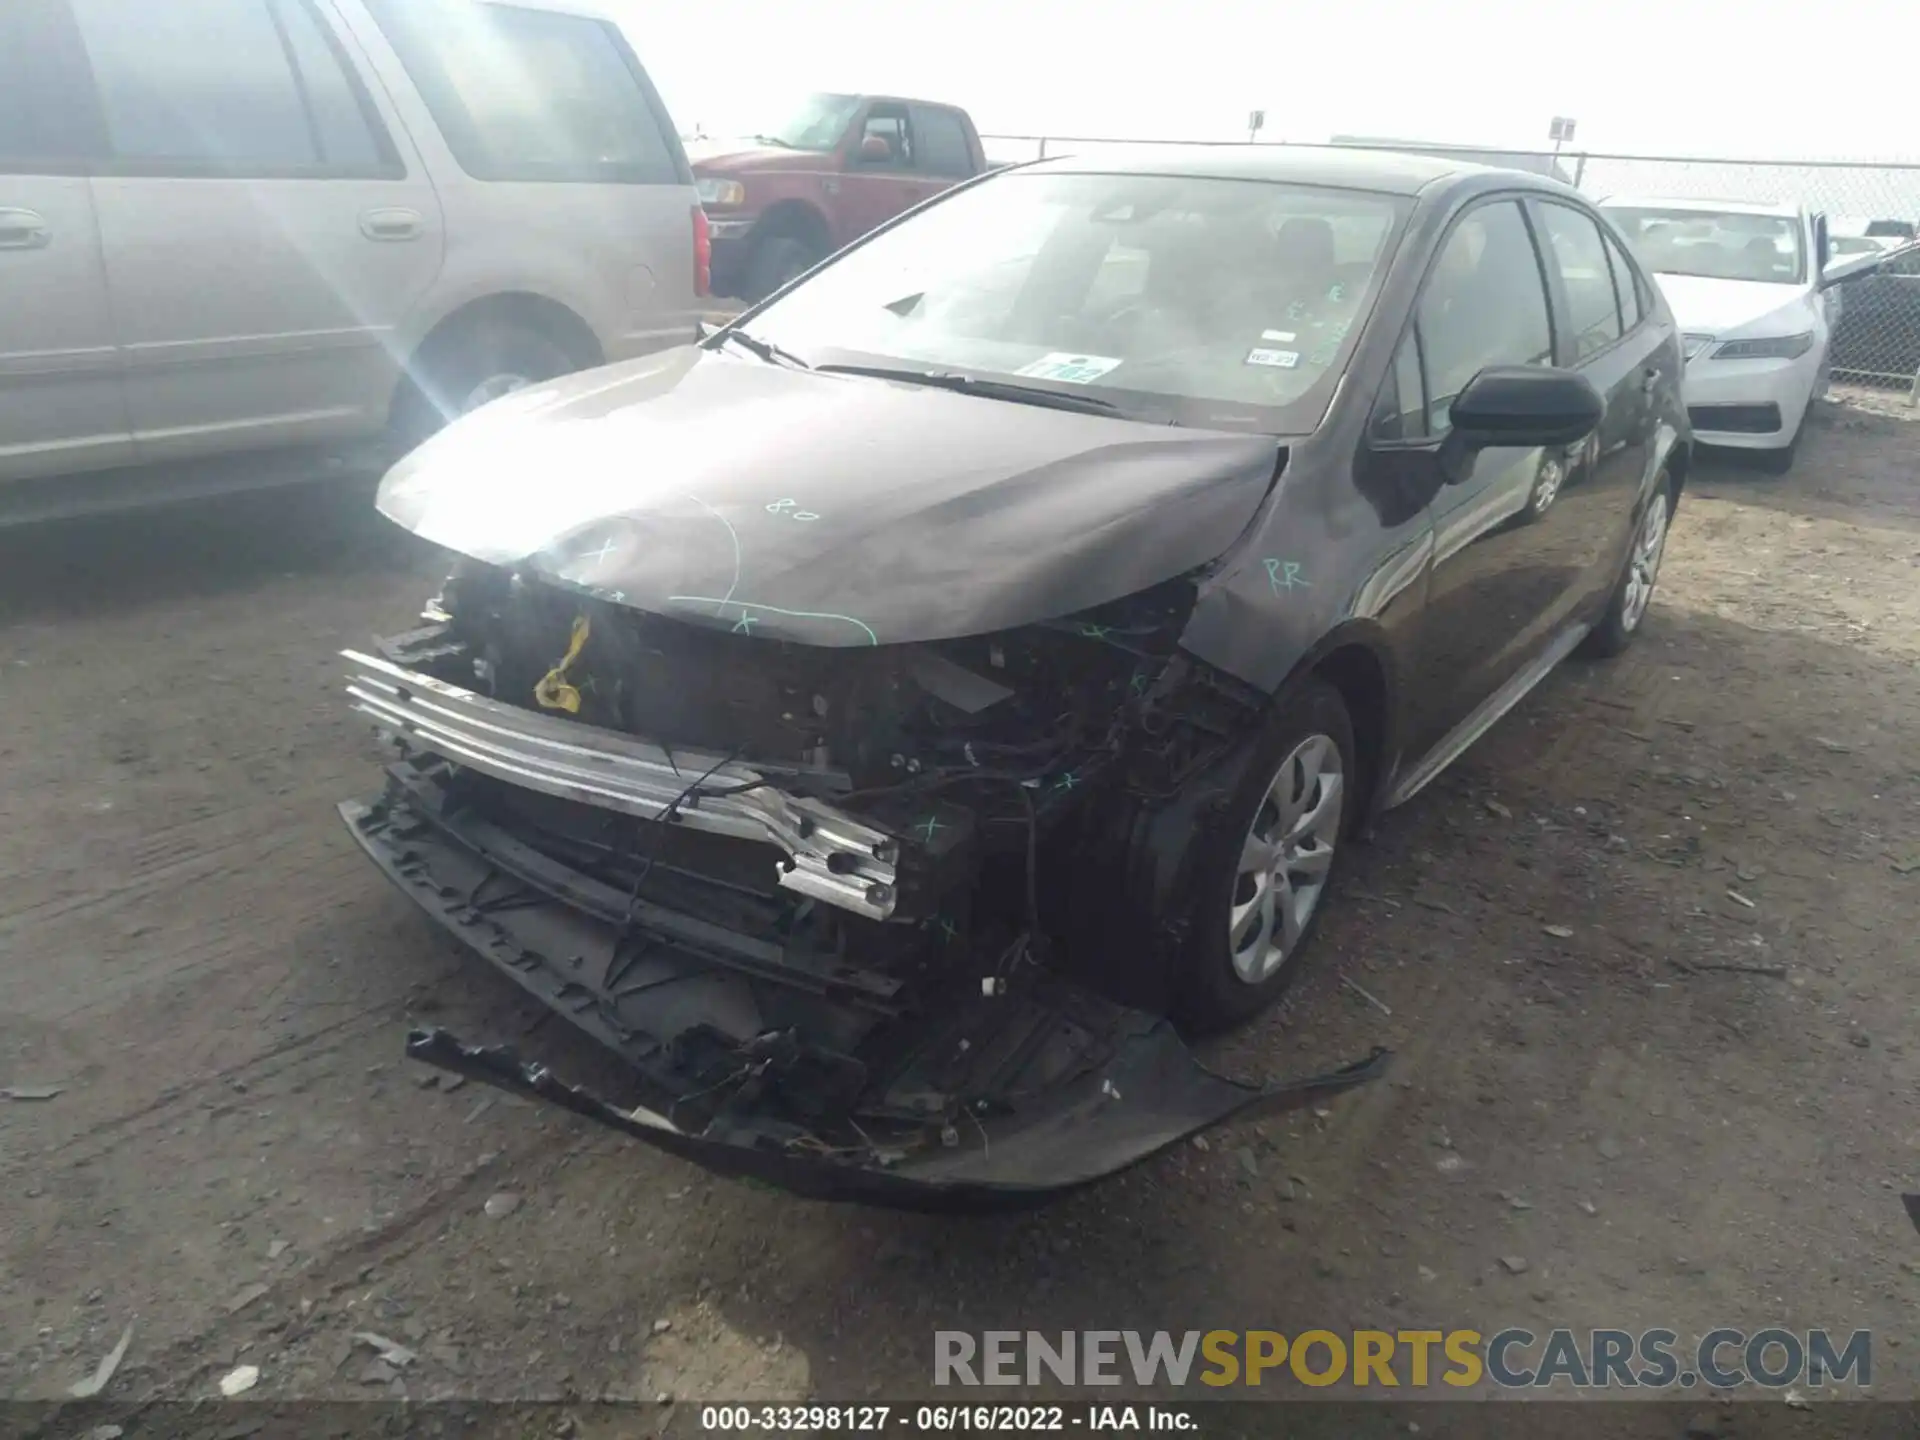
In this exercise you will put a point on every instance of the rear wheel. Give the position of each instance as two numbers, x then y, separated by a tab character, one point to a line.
471	364
1262	875
1628	605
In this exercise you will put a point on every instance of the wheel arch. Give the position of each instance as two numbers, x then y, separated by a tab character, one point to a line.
1357	666
521	308
800	218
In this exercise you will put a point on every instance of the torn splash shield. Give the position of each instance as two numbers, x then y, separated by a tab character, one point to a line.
830	1083
1152	1094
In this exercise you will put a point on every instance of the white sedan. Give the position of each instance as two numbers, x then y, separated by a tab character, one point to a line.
1749	287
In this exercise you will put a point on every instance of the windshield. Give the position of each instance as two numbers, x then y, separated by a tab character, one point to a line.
1221	303
812	122
1730	246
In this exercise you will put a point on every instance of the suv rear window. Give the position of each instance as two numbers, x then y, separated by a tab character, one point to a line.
526	94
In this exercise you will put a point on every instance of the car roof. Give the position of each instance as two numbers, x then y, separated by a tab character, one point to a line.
1706	207
1340	167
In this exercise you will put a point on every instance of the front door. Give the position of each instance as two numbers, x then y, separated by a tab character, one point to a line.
61	406
263	232
1507	551
884	171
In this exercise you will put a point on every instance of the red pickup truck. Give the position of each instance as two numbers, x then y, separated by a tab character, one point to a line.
828	171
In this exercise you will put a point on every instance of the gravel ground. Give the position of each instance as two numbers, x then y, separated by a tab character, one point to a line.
1647	950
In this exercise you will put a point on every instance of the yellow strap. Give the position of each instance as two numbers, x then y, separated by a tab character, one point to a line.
553	692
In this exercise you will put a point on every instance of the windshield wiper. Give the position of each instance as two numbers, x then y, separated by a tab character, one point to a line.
767	350
774	140
988	389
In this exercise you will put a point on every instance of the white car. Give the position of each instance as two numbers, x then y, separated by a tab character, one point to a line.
1748	285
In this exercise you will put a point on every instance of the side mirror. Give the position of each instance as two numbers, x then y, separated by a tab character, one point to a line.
876	150
1525	405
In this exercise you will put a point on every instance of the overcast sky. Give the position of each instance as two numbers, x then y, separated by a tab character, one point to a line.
1756	78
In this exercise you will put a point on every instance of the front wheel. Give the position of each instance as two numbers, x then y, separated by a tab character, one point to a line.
1627	606
1776	462
775	260
1264	872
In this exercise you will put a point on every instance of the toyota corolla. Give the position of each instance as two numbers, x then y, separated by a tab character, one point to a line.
890	723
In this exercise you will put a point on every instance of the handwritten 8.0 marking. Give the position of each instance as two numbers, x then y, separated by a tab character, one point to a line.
791	509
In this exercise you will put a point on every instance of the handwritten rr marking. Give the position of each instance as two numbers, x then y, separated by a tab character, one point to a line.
791	508
1285	575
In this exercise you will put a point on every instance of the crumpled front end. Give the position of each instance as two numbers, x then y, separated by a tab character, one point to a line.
828	905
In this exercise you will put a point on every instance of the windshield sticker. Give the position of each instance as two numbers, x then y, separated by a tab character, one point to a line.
1069	369
1281	359
1282	336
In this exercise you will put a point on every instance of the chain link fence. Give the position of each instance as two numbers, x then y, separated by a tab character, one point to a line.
1872	210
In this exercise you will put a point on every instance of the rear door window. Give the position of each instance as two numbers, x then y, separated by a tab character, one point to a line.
1576	249
47	121
1626	284
532	94
1485	303
941	142
247	88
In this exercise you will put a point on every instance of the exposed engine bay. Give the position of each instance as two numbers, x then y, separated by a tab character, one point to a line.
831	904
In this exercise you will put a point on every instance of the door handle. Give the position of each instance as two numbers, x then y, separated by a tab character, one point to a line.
392	224
24	230
1648	380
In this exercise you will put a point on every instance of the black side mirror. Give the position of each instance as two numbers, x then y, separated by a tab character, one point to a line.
1525	405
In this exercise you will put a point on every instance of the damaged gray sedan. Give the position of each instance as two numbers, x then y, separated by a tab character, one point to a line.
878	722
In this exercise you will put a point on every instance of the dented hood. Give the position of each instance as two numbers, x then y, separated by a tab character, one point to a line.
832	509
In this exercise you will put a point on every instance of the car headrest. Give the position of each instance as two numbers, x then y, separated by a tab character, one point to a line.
1306	244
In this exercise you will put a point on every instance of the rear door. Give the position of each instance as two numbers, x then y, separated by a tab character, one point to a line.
560	172
61	406
942	148
264	229
1603	332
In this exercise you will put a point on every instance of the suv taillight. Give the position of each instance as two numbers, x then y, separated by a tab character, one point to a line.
702	253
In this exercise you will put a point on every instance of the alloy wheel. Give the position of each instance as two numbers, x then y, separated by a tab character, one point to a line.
1643	567
1286	858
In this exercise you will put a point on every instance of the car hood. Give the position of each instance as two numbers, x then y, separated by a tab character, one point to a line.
1706	306
831	509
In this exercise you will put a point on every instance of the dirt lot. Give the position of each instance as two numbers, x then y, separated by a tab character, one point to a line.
1694	1107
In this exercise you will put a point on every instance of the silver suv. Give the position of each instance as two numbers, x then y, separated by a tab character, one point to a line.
229	225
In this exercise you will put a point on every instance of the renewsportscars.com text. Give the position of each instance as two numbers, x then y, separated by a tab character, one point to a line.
1723	1359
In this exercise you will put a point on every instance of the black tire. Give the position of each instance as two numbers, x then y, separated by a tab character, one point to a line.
1617	627
455	363
1212	994
775	260
1776	462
